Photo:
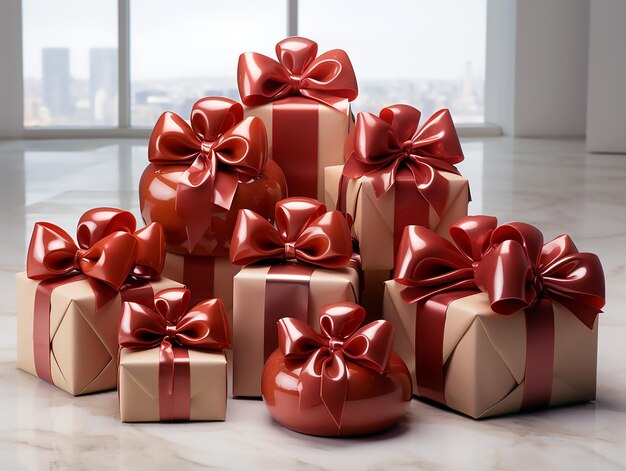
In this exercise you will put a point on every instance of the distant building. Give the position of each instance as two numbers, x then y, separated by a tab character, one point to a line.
56	81
103	84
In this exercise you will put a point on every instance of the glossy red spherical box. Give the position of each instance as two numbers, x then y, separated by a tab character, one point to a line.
157	197
374	401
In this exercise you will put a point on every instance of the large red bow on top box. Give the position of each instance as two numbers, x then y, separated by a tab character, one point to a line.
202	173
342	381
498	321
304	100
70	296
172	360
398	174
292	269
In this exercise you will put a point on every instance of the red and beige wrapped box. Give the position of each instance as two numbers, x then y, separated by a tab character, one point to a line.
69	299
172	360
528	340
304	101
202	173
292	270
397	175
205	277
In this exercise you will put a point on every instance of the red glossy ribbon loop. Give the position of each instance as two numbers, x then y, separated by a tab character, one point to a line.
108	251
221	149
328	78
304	231
520	270
324	375
385	144
170	326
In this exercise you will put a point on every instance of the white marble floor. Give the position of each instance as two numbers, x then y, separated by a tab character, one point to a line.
554	184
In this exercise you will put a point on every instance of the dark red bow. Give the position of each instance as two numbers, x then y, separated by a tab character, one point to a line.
221	149
304	231
328	78
520	270
108	251
204	327
385	144
428	264
324	376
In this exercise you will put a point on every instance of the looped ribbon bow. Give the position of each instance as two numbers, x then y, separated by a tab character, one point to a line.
385	144
429	265
329	78
304	232
203	327
221	149
324	376
108	251
520	270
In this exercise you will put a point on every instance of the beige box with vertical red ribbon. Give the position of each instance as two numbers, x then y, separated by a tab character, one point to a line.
484	354
252	327
139	385
373	218
83	343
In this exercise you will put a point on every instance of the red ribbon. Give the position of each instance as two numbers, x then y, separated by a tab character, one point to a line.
391	149
324	376
328	78
220	147
517	271
174	329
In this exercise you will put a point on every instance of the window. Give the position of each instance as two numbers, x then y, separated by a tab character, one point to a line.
70	63
428	53
184	50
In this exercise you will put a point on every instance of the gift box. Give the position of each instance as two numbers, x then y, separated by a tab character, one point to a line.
344	380
304	101
499	322
69	299
292	270
205	277
201	174
398	175
172	360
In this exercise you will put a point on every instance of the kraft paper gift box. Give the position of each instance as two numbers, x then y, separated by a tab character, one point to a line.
291	271
205	277
377	188
180	377
308	123
538	350
67	321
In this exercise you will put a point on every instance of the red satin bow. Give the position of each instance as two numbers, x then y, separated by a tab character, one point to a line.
324	376
221	149
304	231
386	144
520	270
428	264
328	78
205	326
108	251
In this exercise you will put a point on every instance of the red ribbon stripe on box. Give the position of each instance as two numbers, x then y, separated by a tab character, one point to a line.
174	329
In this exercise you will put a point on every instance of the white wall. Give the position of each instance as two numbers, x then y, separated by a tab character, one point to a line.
606	99
543	82
11	83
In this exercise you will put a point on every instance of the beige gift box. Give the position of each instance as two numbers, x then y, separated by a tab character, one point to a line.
197	278
326	287
83	340
484	354
334	127
373	217
139	385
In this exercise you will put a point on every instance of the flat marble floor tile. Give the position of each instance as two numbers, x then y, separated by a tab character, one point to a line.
553	184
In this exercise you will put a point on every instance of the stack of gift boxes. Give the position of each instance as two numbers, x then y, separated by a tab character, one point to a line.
481	318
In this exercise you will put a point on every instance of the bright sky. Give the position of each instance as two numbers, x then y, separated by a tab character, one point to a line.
203	38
